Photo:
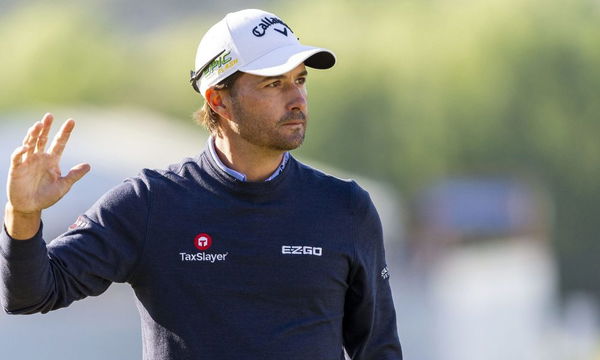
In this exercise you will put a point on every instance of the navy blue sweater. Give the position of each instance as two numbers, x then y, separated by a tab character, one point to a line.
293	268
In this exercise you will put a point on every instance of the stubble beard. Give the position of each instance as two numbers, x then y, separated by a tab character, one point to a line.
250	129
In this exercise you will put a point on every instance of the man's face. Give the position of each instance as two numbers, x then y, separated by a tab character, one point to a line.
270	112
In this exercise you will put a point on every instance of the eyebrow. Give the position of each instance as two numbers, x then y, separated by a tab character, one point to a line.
266	78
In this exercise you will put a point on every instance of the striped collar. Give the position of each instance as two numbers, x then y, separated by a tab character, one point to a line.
236	174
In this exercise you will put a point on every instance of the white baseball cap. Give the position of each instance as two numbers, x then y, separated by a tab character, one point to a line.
252	41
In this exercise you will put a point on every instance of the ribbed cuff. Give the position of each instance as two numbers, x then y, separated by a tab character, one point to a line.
13	249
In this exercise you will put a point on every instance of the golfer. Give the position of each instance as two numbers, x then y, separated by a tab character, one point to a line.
241	252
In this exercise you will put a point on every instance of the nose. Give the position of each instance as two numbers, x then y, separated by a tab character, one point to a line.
297	94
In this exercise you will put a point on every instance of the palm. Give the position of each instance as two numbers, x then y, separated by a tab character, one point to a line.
35	184
34	179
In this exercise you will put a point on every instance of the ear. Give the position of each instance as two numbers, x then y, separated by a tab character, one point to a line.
214	99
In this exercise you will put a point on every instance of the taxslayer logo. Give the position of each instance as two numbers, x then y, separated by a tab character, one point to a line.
203	241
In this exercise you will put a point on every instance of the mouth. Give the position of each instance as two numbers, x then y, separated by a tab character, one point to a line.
294	123
293	119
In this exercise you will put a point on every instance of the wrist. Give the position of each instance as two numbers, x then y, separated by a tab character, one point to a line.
21	225
25	214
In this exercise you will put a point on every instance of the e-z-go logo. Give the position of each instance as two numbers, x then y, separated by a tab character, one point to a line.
301	250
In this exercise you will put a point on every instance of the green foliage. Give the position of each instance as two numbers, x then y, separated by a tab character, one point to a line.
57	55
421	90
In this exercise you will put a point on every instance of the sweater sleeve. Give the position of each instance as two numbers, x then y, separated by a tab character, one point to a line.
369	317
101	247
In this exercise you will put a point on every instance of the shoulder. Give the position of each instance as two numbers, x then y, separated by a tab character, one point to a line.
177	173
347	189
312	175
148	181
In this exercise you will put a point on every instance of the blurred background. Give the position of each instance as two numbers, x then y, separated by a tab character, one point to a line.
472	123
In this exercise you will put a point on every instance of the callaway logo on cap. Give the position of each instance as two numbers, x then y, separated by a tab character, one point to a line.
255	42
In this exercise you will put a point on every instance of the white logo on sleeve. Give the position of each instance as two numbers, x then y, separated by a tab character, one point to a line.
79	223
301	250
385	273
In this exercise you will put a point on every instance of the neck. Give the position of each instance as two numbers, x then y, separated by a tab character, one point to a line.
257	163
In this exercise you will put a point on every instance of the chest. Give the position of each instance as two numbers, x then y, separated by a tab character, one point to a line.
297	254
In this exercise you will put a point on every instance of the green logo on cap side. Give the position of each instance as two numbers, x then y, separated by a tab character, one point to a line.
220	64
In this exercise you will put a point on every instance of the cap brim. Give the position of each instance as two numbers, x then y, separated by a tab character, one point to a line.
284	59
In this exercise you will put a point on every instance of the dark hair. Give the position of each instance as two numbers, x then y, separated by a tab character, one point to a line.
206	116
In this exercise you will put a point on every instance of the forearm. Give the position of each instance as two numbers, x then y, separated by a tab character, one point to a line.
21	226
25	275
370	319
30	280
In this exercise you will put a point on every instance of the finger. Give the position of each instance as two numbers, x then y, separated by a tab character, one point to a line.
34	132
16	158
76	173
61	139
26	138
43	138
28	134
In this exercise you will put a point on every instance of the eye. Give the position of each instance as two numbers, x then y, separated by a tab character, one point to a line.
301	80
274	84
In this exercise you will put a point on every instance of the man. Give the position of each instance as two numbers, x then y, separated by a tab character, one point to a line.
239	253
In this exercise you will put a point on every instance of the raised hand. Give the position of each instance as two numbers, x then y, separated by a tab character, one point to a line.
34	178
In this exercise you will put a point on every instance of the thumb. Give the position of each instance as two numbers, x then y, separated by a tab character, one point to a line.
76	173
